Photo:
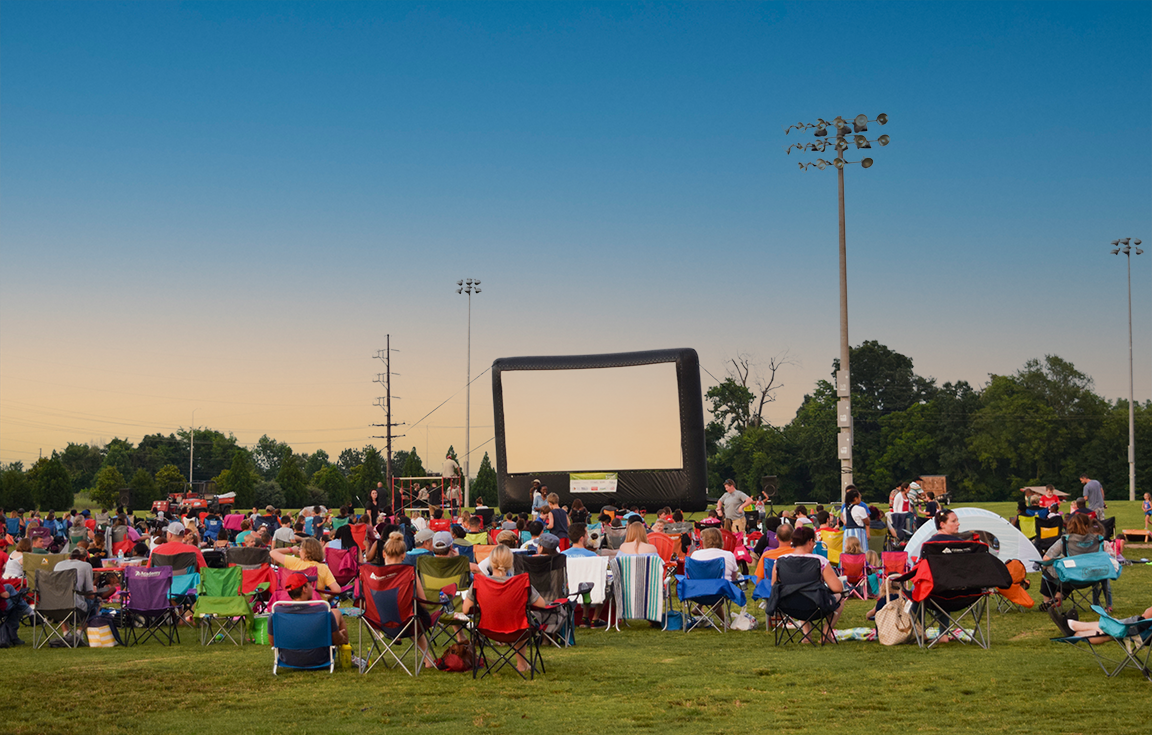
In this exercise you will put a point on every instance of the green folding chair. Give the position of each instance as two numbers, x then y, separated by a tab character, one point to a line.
224	611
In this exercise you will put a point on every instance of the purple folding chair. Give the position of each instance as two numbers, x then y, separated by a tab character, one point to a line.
147	611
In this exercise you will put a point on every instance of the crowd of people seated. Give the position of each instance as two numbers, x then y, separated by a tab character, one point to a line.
736	530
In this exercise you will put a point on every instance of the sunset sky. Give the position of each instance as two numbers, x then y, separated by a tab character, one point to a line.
215	212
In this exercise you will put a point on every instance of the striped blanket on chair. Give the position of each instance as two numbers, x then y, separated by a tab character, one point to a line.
638	586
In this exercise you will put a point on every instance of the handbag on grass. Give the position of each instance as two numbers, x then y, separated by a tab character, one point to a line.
893	622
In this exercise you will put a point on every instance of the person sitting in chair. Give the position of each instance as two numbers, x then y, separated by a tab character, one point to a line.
1070	625
300	589
803	544
713	548
501	562
636	541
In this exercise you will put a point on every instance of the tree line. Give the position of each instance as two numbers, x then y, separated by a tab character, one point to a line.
269	473
1043	424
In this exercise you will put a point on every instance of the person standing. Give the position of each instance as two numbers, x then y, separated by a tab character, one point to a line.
450	472
1094	494
557	517
855	517
732	504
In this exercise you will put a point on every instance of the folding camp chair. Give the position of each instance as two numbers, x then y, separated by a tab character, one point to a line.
1133	644
301	634
548	575
146	610
441	577
854	570
1014	598
344	564
834	544
466	551
800	599
258	579
56	608
185	577
705	595
1076	575
952	582
388	596
501	617
223	609
34	563
639	588
613	537
666	546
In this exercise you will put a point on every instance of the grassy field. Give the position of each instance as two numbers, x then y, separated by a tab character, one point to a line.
637	680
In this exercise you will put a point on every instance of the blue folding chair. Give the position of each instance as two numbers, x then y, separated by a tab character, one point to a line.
705	595
301	634
1133	644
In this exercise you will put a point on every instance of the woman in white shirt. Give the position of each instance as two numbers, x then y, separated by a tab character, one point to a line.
712	547
14	568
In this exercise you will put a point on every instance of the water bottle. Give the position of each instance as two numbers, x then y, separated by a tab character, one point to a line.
120	557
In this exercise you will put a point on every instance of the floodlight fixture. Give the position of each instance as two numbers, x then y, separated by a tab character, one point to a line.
861	142
882	119
839	163
866	163
883	140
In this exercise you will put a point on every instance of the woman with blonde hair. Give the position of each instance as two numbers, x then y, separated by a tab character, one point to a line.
636	540
308	553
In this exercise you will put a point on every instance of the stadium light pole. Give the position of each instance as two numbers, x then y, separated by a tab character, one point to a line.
1126	246
846	134
468	286
191	448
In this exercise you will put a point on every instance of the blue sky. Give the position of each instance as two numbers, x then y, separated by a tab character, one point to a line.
224	207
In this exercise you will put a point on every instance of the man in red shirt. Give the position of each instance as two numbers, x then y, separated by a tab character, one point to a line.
175	545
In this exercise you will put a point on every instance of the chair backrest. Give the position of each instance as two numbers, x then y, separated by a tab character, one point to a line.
34	563
503	605
360	534
302	626
792	570
280	594
665	545
492	534
57	591
388	595
485	515
343	563
212	528
13	525
963	565
729	540
613	537
895	562
214	558
704	569
438	572
1050	527
854	567
147	588
478	538
466	551
220	582
181	563
834	541
546	574
1027	525
247	557
638	586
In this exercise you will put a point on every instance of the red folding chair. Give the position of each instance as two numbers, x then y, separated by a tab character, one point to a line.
895	562
389	601
501	616
854	568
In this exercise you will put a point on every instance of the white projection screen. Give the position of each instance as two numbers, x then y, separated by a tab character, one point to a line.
625	428
622	418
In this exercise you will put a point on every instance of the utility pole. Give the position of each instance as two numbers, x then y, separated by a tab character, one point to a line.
385	402
191	448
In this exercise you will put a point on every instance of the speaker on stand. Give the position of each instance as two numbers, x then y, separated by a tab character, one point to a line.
769	488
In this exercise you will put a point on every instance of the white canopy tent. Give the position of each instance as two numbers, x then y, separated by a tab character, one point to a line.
1013	544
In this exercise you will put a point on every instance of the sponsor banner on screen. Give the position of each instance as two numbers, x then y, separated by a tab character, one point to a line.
592	482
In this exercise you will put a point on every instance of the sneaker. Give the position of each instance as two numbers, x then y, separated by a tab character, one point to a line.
598	624
1061	621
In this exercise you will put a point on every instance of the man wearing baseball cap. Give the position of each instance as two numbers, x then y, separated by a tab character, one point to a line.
442	544
423	543
175	545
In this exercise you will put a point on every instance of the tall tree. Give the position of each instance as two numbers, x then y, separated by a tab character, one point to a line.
143	489
52	489
15	489
239	478
292	481
169	479
334	485
267	455
315	462
107	490
484	486
348	459
413	467
82	461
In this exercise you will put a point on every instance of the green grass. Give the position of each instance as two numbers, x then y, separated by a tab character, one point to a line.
638	680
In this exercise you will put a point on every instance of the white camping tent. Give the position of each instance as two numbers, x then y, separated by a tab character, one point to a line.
1013	544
